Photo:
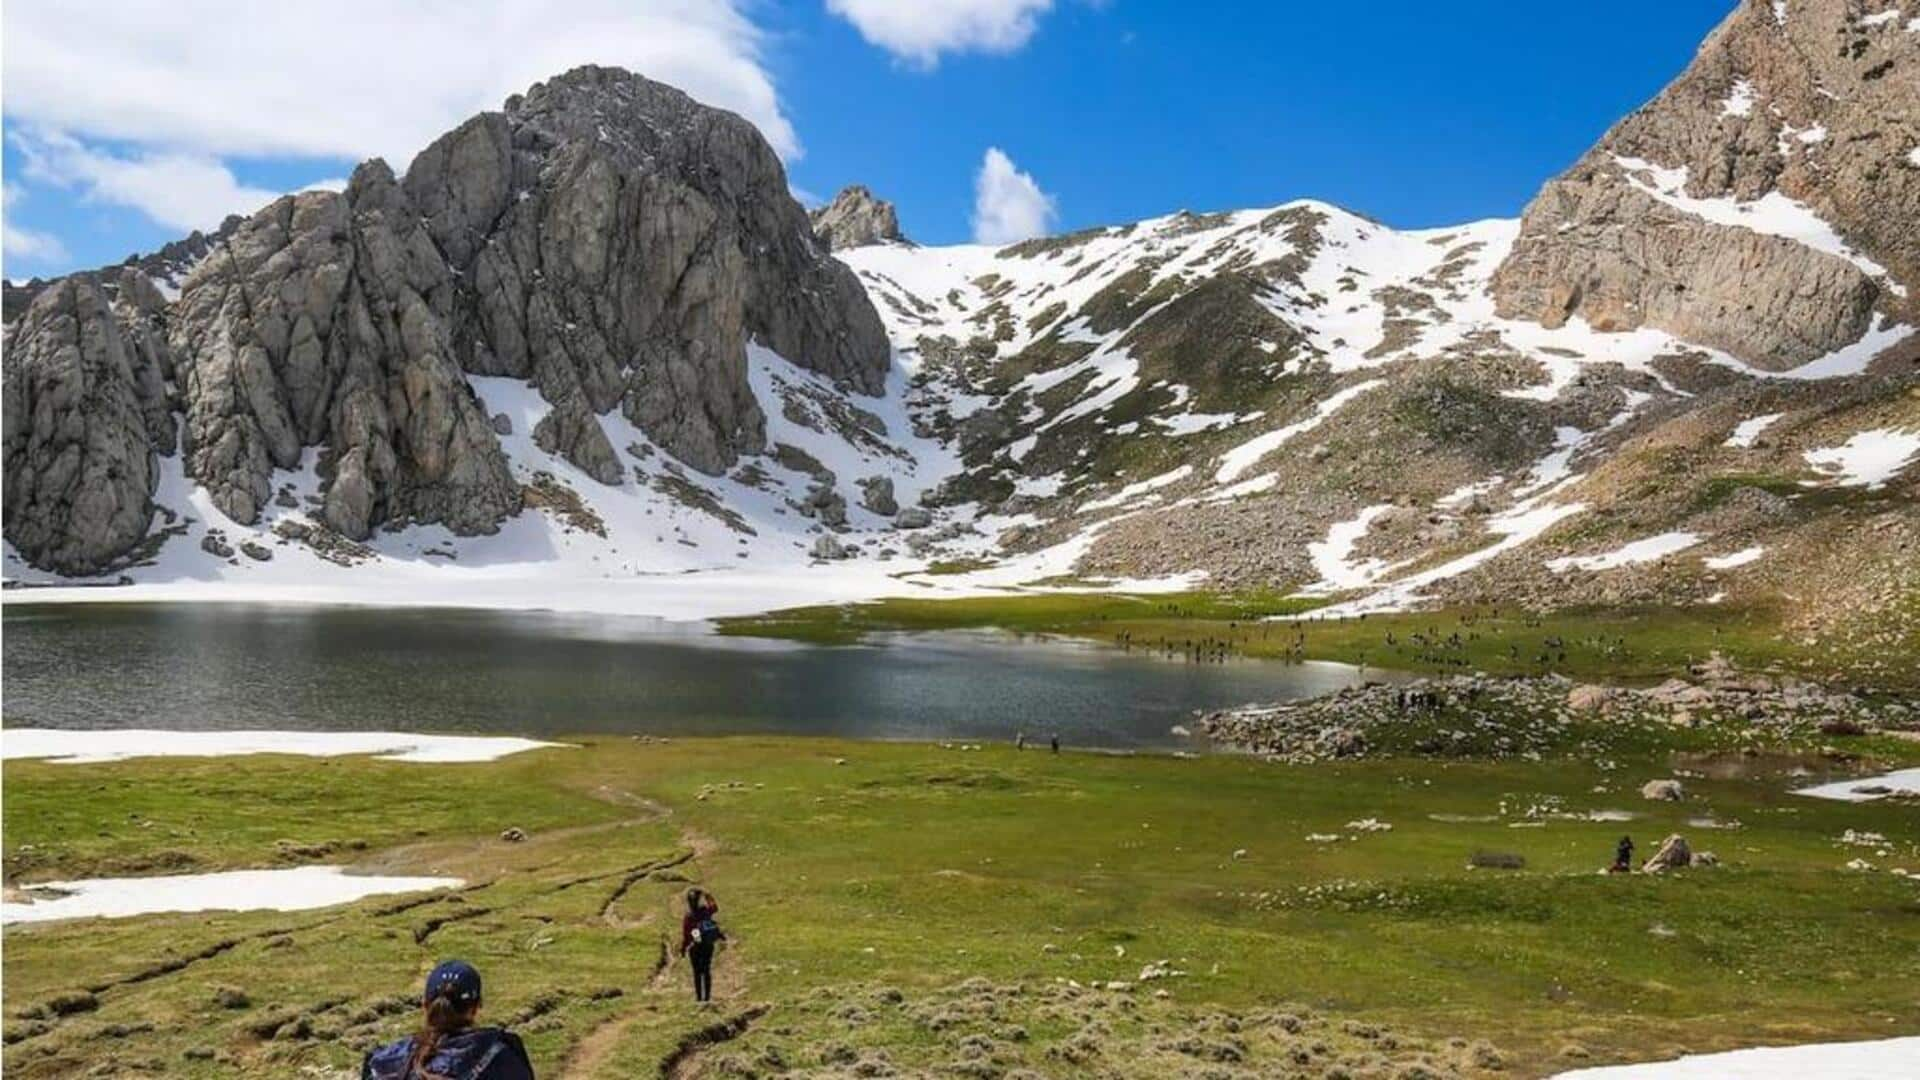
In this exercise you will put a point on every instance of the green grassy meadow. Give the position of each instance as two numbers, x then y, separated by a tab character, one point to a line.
911	909
1615	644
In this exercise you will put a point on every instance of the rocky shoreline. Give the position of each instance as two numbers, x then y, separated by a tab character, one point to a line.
1481	716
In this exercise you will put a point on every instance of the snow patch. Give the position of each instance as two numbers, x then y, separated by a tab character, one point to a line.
1333	557
1740	99
298	889
1906	781
1873	1060
1516	527
1738	558
1747	432
1869	459
1650	549
66	747
1235	462
1847	360
1133	491
1558	464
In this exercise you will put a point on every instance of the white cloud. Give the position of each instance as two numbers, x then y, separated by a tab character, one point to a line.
352	78
182	191
918	31
23	243
1008	205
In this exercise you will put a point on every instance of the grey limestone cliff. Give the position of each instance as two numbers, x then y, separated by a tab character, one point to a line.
1814	101
604	237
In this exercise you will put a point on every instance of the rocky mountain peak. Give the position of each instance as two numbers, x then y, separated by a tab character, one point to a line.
856	218
1766	203
604	237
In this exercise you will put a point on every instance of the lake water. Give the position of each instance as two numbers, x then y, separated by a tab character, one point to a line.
207	666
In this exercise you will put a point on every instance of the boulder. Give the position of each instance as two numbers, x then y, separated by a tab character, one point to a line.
876	494
1674	854
1663	791
573	432
1589	698
826	504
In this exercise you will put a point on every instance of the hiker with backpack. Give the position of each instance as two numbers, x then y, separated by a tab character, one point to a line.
699	936
449	1046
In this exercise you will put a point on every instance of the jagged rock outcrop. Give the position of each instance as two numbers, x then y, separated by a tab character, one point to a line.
321	322
856	218
84	416
604	237
1816	102
618	244
169	265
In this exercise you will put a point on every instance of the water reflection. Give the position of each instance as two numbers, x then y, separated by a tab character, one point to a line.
241	666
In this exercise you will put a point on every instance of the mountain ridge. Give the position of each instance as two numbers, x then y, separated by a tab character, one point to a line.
1292	398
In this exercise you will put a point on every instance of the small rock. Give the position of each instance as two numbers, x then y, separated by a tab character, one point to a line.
513	835
502	424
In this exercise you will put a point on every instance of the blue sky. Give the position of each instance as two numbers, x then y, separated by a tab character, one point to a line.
1415	113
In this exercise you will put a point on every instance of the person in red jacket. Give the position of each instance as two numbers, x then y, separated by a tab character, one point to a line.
699	935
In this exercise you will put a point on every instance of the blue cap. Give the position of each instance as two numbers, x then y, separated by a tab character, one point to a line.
455	980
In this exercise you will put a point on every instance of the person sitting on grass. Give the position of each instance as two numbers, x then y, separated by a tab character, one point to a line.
699	936
449	1046
1622	857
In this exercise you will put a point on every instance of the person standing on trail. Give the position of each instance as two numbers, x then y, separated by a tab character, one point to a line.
449	1046
1055	743
699	936
1622	857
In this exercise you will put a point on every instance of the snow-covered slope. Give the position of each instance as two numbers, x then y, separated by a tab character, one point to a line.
1293	398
